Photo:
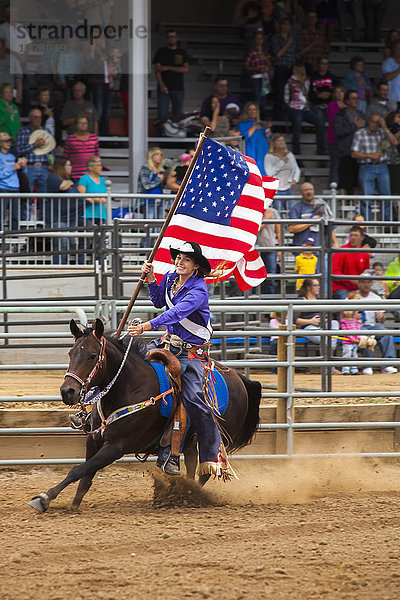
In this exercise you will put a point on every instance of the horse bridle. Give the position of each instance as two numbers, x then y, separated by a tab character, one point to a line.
100	361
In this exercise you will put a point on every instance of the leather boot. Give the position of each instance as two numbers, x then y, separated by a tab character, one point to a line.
172	466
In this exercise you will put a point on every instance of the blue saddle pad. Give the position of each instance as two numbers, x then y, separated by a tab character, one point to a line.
221	390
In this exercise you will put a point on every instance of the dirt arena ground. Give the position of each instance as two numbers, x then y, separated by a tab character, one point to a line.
315	530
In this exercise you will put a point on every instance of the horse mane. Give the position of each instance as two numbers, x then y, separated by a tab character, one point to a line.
138	345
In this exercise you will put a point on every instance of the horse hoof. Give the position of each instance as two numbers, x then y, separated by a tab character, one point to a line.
40	503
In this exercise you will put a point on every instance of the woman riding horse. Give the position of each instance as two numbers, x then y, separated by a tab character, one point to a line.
187	319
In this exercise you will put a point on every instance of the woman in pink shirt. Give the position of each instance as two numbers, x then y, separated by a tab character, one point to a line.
331	141
80	146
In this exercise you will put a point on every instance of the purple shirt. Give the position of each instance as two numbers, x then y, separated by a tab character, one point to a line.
191	301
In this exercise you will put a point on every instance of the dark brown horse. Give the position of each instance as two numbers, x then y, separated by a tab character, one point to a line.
95	359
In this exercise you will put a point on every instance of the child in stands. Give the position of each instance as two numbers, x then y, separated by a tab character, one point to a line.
306	262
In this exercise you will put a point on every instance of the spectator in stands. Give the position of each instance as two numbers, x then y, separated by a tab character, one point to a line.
258	65
17	43
78	106
392	156
268	237
37	164
322	83
393	285
350	264
284	51
80	146
9	182
70	67
380	104
175	177
374	322
43	103
281	163
151	180
219	124
270	15
333	107
171	63
100	82
292	10
93	183
311	43
368	150
224	97
357	79
66	212
234	131
391	72
351	7
348	120
248	17
9	113
327	18
256	134
296	95
306	262
10	71
373	13
308	208
311	319
392	35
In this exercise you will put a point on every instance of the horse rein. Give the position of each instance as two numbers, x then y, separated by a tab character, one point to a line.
100	361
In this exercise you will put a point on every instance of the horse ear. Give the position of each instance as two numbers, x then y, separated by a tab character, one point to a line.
76	332
98	327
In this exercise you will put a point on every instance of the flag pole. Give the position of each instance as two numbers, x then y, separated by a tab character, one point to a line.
171	212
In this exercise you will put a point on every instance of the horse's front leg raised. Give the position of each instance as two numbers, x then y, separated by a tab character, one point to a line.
104	457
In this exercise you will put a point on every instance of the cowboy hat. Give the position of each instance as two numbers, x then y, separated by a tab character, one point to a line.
193	250
49	141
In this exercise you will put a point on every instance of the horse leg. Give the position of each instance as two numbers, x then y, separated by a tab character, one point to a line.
85	482
104	457
191	455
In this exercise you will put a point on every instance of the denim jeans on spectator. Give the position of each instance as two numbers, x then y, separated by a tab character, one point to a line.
333	163
315	339
314	115
38	176
385	342
270	261
283	204
163	100
371	177
351	7
61	243
102	97
349	351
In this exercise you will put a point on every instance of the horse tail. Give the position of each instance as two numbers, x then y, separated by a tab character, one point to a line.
252	419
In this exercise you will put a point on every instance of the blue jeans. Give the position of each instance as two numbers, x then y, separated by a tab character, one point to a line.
38	176
340	294
315	339
371	177
163	100
102	97
283	204
314	115
385	342
349	351
334	163
269	260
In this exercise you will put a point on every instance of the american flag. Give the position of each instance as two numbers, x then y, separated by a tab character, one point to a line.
222	210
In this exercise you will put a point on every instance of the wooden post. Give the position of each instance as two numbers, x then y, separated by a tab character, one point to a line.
281	412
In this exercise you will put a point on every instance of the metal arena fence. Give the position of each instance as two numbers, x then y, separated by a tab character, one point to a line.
251	365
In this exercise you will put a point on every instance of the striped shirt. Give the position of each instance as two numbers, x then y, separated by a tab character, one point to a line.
78	151
24	148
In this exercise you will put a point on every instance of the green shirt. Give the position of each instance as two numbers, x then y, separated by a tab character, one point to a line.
9	118
394	270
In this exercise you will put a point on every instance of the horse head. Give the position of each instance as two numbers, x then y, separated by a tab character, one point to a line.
85	359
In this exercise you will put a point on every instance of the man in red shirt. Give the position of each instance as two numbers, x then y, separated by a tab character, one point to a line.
349	263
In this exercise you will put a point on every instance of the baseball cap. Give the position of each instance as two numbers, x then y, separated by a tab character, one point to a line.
232	105
308	242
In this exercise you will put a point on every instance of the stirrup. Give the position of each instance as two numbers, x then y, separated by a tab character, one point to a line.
77	422
172	466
